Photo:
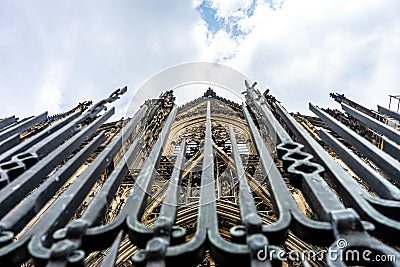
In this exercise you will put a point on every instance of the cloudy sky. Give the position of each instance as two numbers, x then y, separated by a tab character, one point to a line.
54	54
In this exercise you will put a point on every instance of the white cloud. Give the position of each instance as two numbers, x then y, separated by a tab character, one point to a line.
49	94
302	50
101	46
196	3
309	48
226	9
218	47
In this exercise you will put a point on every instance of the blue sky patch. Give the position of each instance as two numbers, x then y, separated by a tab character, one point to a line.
229	24
209	15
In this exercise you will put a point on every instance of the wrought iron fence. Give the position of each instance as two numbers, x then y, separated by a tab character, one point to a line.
50	213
